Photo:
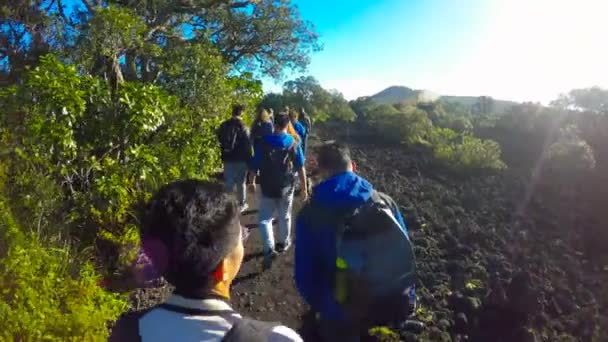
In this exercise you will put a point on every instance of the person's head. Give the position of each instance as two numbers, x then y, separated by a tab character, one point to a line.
191	231
281	122
303	114
263	116
237	110
333	158
294	115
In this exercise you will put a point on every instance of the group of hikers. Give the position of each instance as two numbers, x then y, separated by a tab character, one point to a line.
354	263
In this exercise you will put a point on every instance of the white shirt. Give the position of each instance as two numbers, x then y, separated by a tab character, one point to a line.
161	324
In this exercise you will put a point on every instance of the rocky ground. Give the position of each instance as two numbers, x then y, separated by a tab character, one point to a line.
500	258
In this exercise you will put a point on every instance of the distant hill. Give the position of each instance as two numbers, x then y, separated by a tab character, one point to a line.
397	94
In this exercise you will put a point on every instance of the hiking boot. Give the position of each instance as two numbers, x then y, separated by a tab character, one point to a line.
282	247
268	259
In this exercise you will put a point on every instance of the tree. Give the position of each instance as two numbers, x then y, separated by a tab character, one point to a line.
594	99
268	36
339	108
306	93
361	106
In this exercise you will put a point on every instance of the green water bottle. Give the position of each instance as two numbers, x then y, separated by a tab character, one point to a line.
341	284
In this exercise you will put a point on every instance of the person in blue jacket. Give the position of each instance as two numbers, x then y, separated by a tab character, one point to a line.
278	158
315	251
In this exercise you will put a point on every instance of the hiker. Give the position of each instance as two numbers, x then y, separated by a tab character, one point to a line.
292	132
236	152
262	126
354	263
190	230
306	121
277	158
298	127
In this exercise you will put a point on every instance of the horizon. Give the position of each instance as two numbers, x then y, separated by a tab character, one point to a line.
514	50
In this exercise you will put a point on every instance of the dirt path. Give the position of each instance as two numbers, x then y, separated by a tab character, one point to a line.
269	295
484	270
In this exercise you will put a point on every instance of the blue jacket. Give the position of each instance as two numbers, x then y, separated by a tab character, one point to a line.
315	251
281	140
300	129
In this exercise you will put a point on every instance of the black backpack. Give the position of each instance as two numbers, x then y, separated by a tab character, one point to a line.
250	330
276	170
228	136
257	132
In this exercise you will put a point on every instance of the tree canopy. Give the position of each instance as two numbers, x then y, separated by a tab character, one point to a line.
305	93
594	99
129	38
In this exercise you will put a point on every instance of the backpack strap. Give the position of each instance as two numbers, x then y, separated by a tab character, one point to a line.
195	311
126	328
250	330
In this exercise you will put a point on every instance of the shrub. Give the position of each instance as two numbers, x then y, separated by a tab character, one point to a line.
411	125
83	153
47	293
570	155
466	152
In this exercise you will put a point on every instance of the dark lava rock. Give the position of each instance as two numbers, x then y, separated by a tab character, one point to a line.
461	338
444	324
528	335
435	334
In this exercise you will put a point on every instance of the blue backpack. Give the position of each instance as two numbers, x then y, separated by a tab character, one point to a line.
375	263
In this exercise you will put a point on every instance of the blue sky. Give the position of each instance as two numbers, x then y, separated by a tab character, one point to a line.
524	50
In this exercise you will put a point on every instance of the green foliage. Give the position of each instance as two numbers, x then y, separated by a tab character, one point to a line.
466	152
86	154
306	93
131	38
111	31
451	115
570	155
383	334
48	294
594	99
410	124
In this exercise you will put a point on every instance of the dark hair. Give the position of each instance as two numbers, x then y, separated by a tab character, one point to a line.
281	121
334	157
237	110
187	228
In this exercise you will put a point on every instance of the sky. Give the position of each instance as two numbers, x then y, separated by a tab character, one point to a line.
522	50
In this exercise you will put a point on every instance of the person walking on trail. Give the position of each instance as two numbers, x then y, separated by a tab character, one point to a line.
292	132
191	231
278	158
306	121
236	152
298	127
261	127
354	263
